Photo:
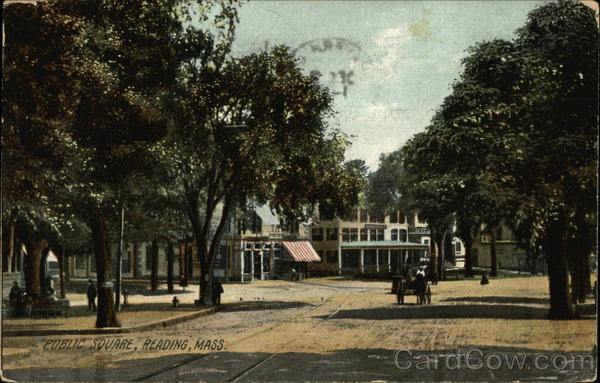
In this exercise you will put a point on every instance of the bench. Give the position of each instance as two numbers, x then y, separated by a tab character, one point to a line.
38	307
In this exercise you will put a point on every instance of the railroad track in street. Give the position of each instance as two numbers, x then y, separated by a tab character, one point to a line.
269	356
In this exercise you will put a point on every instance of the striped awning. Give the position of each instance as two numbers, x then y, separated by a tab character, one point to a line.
302	251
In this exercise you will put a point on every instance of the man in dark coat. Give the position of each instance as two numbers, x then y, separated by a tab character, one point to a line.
217	290
15	293
92	292
484	280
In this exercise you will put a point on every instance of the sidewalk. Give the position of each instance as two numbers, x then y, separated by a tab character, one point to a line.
79	321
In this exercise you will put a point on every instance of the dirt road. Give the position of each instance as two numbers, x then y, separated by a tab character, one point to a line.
332	329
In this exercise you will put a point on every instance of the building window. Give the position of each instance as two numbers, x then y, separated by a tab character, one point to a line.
403	235
317	234
364	234
373	235
394	234
346	235
394	217
458	247
353	234
425	241
363	215
380	235
332	234
332	256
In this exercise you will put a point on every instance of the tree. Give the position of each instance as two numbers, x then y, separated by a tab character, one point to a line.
518	136
107	64
554	135
34	135
261	128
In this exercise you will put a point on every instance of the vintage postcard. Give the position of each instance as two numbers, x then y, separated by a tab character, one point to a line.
299	191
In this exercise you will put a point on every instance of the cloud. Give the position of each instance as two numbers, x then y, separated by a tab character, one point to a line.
388	45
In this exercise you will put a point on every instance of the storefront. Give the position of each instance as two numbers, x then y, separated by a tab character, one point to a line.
380	256
268	259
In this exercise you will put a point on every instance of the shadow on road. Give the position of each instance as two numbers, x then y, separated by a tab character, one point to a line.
464	363
500	299
445	312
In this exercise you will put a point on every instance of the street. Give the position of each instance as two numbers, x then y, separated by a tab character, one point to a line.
334	329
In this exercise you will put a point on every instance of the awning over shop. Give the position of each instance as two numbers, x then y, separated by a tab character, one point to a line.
301	251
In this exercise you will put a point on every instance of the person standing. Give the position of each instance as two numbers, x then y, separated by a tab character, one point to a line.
92	292
217	290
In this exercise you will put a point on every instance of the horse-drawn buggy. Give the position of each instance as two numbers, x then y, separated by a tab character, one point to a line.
414	284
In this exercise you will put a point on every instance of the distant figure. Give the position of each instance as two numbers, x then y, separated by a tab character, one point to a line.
16	294
217	290
125	297
92	292
484	280
293	274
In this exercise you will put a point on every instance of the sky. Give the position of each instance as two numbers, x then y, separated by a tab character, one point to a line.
389	63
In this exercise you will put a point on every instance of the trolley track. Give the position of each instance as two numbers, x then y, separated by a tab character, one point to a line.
269	356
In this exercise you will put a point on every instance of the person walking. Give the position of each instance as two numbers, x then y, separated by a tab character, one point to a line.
92	292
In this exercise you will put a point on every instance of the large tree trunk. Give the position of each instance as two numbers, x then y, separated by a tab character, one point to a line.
440	256
60	254
170	260
8	243
493	253
561	304
433	254
44	267
205	279
106	315
468	258
67	266
154	266
34	246
33	265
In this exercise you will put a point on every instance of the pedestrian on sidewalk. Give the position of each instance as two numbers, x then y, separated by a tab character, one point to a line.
484	280
217	290
92	292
